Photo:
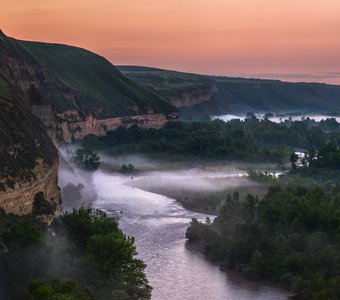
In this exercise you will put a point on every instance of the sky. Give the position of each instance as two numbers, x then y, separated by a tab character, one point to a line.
292	40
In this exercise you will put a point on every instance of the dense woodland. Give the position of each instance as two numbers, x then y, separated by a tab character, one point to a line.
82	255
291	235
250	140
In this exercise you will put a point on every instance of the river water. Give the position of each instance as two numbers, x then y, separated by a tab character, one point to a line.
158	224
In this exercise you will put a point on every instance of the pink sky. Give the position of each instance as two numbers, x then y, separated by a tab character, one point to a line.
299	39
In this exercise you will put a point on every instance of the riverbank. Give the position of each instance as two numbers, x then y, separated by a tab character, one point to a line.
204	194
158	224
235	275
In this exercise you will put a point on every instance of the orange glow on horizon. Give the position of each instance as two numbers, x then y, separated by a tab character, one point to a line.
227	37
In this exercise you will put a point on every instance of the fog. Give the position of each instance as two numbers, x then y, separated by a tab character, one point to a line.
280	118
158	222
77	189
162	178
148	174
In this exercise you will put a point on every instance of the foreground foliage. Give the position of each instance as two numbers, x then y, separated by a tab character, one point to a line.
56	290
87	248
291	236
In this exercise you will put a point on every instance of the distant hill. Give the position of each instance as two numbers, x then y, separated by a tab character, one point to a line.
198	96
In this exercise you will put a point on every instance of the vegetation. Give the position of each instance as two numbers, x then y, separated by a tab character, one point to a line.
41	206
23	139
237	95
87	159
214	140
87	249
289	236
94	76
56	290
248	140
319	166
127	168
262	177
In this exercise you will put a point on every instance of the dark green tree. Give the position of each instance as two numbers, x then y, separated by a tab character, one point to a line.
56	290
87	159
293	158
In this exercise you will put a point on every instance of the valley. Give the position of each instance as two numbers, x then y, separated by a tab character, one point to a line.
145	183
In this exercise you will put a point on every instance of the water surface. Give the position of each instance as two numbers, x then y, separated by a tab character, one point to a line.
158	224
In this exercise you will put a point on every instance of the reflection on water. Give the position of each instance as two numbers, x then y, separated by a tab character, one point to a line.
158	224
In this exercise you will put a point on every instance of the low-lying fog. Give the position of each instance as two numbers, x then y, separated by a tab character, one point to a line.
148	174
158	223
278	119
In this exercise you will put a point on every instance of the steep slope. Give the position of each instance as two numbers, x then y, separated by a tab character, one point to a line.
96	77
76	93
28	160
199	95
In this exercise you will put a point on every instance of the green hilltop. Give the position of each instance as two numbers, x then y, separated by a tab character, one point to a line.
97	78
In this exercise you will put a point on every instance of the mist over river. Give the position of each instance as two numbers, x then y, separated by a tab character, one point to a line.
158	224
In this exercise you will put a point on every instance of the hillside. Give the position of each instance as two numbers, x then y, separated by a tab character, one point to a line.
56	93
76	93
199	96
96	77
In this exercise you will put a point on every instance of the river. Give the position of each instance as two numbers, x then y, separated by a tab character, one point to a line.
158	224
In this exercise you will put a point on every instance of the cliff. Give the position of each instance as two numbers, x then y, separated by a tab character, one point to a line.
28	161
192	96
21	197
69	131
51	93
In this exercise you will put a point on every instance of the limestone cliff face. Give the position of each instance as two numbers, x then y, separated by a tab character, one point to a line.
19	198
72	128
192	97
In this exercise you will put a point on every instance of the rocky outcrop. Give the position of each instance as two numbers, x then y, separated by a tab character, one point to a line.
77	130
18	197
45	114
192	97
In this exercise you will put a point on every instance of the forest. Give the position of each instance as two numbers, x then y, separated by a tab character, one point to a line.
290	236
251	140
83	255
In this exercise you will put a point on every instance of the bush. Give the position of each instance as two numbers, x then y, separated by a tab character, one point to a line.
87	159
41	206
